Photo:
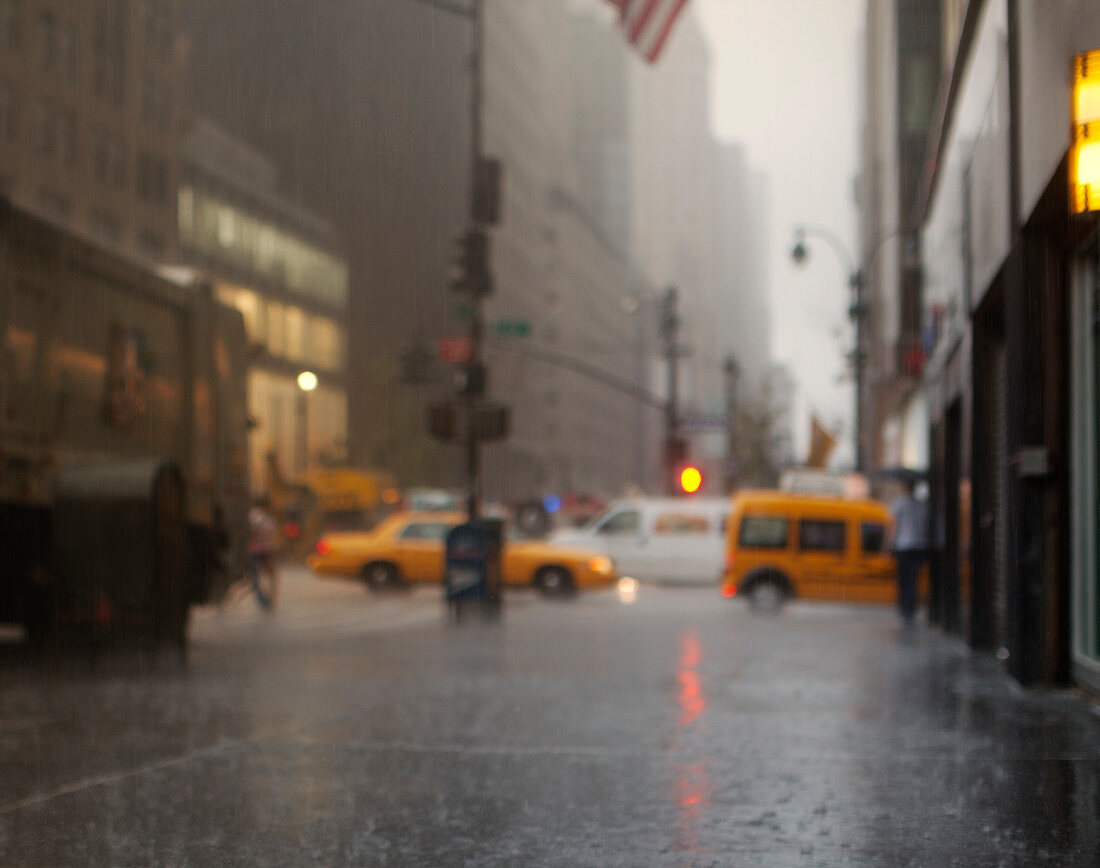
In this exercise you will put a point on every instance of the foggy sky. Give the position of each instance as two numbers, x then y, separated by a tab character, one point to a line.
785	84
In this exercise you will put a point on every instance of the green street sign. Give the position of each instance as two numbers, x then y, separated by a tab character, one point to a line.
515	328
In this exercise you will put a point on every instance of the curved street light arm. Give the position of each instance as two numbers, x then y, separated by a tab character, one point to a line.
828	235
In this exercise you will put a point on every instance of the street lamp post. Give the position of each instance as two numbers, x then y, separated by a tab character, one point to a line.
307	382
857	312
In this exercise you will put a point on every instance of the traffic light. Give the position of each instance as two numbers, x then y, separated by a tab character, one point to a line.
471	379
691	479
472	264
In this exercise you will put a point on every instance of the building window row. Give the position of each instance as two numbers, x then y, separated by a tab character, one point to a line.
286	331
230	235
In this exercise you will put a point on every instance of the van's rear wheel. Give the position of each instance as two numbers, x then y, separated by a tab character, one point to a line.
767	595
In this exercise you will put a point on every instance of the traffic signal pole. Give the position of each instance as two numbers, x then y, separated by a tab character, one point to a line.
670	332
477	321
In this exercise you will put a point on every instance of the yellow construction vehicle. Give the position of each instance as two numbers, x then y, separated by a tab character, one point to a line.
326	499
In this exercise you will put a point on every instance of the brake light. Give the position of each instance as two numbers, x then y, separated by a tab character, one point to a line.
323	547
729	591
291	530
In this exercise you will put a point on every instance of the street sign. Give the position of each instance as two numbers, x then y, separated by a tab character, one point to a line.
455	348
516	328
703	421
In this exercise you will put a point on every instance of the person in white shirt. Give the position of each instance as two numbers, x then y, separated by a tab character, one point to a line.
910	547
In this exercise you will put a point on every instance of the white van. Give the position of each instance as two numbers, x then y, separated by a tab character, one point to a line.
659	539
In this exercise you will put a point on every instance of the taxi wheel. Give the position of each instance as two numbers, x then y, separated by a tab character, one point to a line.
554	582
381	576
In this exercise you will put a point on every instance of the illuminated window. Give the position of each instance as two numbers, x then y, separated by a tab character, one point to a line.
276	329
295	333
227	228
325	344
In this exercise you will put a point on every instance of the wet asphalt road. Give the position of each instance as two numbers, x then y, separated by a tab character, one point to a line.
680	729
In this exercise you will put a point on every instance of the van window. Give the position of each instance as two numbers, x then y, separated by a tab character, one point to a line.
872	537
821	536
763	532
681	524
620	523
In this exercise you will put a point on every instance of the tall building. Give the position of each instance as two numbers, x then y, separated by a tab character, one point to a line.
88	108
364	107
281	267
559	259
902	73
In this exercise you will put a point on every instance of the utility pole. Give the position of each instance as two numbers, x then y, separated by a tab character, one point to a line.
477	325
469	418
733	373
675	448
858	314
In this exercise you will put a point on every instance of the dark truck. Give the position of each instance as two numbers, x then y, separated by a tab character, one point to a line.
123	437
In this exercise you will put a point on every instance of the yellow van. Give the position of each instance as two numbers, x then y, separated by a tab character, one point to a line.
782	545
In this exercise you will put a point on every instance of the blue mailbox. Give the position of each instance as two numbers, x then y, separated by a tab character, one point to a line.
472	573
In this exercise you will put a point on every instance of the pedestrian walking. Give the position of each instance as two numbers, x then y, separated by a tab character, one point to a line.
261	555
910	547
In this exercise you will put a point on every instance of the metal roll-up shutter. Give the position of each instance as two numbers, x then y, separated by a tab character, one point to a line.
998	405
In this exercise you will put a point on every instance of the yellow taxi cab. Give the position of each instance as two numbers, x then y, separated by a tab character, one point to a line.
782	545
409	547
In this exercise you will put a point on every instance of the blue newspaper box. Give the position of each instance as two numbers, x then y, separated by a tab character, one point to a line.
472	573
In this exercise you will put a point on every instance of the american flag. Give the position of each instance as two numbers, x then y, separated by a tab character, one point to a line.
648	23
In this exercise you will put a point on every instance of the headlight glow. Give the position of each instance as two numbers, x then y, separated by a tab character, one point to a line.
600	565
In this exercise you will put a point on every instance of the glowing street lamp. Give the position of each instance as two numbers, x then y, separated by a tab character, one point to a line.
307	382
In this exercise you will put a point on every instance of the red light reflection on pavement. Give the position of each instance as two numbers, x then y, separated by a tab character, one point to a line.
692	703
692	787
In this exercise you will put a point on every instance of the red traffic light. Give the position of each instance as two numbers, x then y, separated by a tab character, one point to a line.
691	480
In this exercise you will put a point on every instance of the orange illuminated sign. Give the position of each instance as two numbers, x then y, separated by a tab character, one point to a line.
1084	166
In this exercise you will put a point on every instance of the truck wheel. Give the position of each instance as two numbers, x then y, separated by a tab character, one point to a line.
554	581
381	576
